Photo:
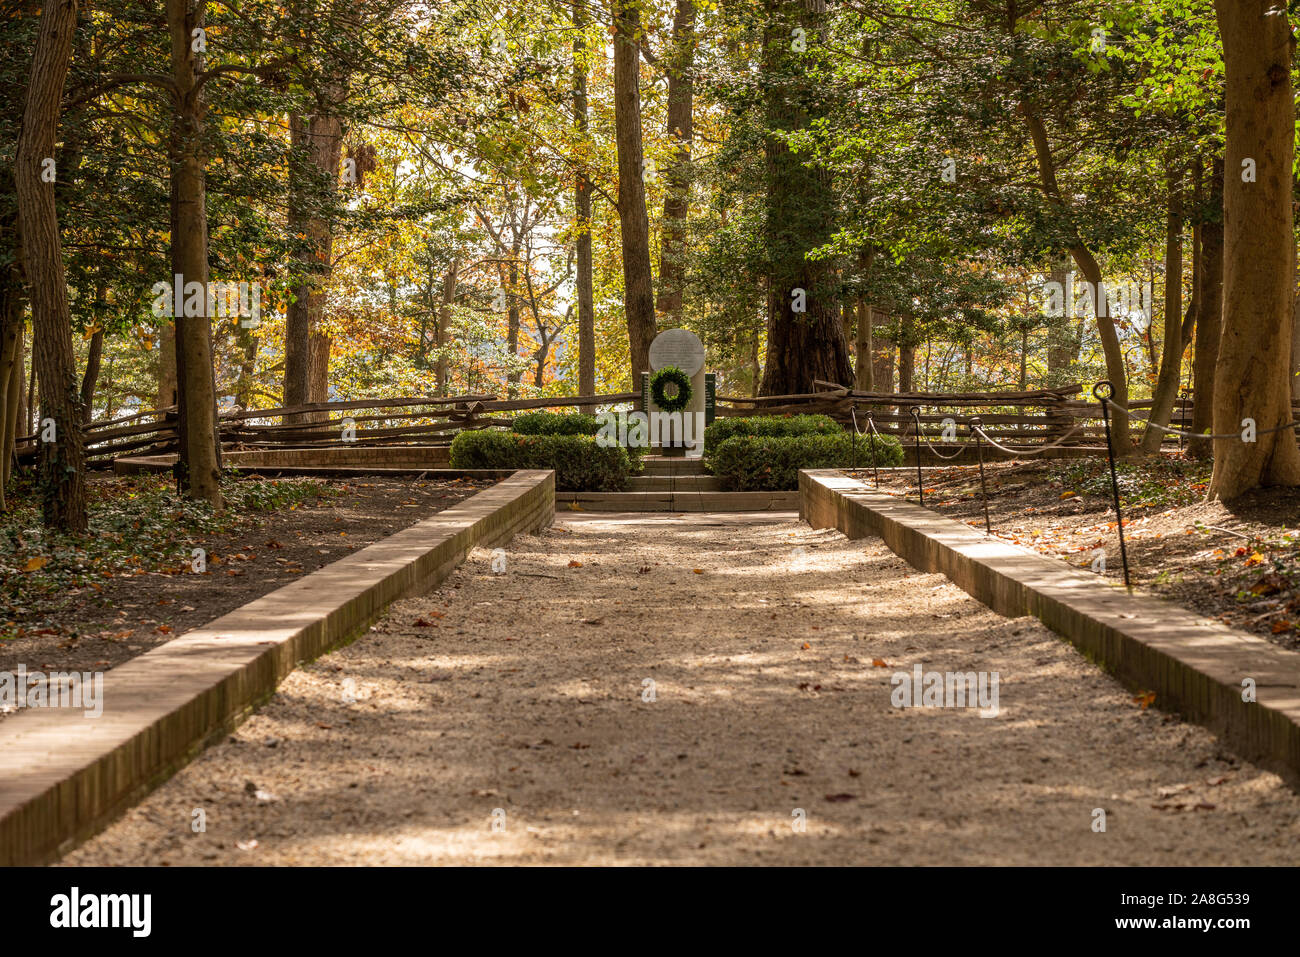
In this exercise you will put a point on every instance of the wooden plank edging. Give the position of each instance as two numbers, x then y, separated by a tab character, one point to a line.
67	776
1195	666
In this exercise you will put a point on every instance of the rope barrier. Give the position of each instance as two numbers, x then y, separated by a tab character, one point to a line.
1034	451
1194	435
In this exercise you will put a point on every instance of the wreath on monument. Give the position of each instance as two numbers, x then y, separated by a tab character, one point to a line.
658	386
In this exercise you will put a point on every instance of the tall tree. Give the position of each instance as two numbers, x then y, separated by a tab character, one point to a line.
586	300
634	222
1253	369
199	467
805	338
62	461
681	129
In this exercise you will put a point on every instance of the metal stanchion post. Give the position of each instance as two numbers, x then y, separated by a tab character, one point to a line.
1103	391
916	419
984	489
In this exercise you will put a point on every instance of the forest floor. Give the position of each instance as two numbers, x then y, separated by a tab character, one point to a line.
703	689
90	604
1239	563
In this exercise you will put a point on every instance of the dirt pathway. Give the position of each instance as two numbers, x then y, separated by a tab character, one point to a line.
507	718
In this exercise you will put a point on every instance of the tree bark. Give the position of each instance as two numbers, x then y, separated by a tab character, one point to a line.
634	223
62	461
14	410
805	338
1171	355
863	378
906	356
681	96
1253	369
1209	317
582	211
443	332
318	372
1087	264
199	467
91	375
314	182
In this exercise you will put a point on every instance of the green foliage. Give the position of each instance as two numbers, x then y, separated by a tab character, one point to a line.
769	426
137	526
659	392
752	463
580	464
555	423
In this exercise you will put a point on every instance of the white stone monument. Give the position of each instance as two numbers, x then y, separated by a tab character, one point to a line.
683	349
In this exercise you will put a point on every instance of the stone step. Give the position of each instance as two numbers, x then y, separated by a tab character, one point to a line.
674	483
677	502
662	465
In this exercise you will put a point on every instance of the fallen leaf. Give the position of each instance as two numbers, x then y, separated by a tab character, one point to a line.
575	564
1145	699
840	798
806	647
35	563
698	571
878	663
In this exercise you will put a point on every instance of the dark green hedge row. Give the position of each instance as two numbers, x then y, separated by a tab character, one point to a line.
753	463
769	426
555	423
580	464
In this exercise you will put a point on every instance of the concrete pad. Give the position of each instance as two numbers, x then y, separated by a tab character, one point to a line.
66	775
1195	666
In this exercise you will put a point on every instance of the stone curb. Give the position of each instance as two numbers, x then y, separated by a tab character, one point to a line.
679	501
67	776
1194	665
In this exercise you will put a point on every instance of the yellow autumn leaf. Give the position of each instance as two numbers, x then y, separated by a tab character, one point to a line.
35	562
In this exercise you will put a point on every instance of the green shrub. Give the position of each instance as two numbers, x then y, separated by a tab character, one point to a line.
580	464
754	463
769	426
555	423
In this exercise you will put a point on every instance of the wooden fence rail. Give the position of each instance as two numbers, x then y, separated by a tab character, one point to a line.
1024	417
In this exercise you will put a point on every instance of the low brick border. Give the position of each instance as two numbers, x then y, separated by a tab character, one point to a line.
1194	665
66	776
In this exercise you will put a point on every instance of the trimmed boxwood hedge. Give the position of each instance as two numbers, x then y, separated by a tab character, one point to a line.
769	426
555	423
580	464
755	463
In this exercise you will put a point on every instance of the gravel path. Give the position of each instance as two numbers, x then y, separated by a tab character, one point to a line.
506	719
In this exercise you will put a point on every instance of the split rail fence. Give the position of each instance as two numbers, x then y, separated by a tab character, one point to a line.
1040	416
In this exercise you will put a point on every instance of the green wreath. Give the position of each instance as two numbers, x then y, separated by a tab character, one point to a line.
674	375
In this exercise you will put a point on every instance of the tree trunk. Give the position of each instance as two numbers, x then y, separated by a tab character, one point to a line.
906	356
166	367
1087	264
1209	318
582	210
515	372
681	95
1171	355
318	373
199	467
634	223
14	410
62	461
11	335
805	336
313	182
1253	368
1062	344
863	379
882	364
91	376
443	334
